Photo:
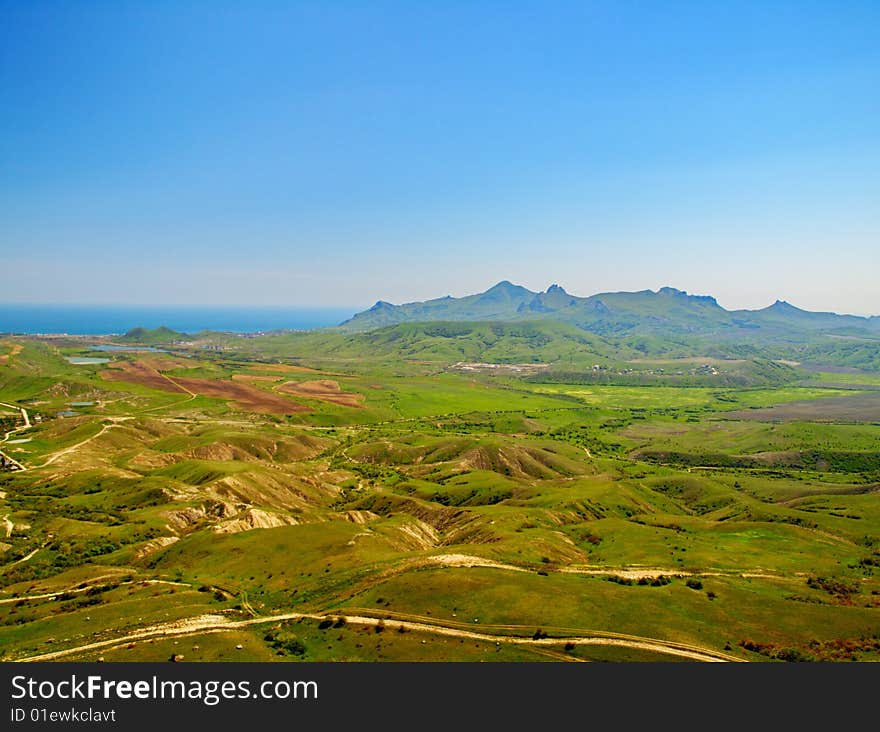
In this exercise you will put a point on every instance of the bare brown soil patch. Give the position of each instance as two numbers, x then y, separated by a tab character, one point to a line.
864	407
14	350
244	395
140	373
248	397
325	390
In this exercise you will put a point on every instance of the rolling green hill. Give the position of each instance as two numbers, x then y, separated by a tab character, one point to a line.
434	476
646	311
529	341
510	324
156	336
668	322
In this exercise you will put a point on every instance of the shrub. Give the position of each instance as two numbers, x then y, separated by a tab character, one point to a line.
284	642
832	586
620	580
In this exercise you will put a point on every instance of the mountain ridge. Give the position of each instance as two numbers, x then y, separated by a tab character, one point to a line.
626	312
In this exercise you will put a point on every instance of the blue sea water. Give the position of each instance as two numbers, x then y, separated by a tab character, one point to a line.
109	319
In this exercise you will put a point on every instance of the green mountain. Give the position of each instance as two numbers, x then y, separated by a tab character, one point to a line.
787	315
666	322
667	311
500	302
156	336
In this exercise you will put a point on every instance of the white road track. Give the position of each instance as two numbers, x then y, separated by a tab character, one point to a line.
217	624
27	424
67	450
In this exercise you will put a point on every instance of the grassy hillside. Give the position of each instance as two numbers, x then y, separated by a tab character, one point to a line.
668	322
435	484
152	337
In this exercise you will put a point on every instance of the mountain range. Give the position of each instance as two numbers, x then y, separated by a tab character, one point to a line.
509	323
668	311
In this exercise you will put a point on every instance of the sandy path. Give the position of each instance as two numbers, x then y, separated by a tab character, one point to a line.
628	572
14	350
462	560
467	561
13	461
26	556
73	448
61	453
192	395
94	581
219	623
637	573
24	415
27	424
561	634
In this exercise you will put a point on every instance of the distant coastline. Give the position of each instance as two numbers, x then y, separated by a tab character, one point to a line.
117	319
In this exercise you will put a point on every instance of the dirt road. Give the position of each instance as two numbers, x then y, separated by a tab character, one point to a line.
219	623
26	425
67	450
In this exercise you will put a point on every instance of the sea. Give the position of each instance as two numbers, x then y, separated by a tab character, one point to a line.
118	319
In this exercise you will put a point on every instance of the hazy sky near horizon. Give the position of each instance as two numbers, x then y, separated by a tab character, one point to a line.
312	153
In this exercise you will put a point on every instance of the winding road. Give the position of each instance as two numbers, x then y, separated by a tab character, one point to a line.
67	450
416	623
26	425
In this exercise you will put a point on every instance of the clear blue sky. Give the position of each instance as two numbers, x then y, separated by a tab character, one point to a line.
335	153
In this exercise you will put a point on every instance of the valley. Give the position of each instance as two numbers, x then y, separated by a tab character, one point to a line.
459	491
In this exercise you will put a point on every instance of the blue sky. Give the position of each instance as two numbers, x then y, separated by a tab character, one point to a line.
338	153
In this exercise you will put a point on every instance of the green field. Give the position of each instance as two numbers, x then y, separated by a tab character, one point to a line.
364	496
